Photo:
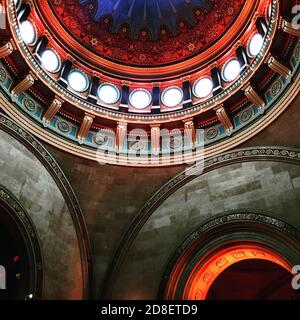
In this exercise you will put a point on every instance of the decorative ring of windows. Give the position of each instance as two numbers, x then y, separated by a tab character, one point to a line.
79	82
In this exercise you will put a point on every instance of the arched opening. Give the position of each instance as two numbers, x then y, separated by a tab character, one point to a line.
15	268
253	280
239	272
248	257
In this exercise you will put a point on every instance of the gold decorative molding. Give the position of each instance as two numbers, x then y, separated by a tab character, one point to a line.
52	111
224	119
126	83
85	127
253	96
186	78
289	28
24	85
278	67
7	49
210	151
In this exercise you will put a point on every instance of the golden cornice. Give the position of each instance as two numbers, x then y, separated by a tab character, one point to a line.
209	151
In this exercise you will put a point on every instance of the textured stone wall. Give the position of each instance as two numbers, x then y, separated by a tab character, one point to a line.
29	181
111	196
271	187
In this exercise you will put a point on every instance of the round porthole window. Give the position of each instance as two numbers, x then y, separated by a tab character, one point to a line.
140	98
172	97
231	70
28	32
203	87
255	45
50	60
108	93
78	81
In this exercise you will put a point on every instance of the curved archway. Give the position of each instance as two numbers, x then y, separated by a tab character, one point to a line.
204	276
62	231
21	272
222	242
159	209
253	279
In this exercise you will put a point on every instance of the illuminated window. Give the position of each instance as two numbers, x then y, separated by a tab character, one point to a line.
140	98
255	45
203	87
231	70
172	97
50	60
78	81
108	93
28	32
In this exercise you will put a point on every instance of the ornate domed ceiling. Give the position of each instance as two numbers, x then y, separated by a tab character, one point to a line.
149	33
108	80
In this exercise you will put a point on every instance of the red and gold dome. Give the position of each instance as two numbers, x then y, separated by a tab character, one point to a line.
203	73
144	34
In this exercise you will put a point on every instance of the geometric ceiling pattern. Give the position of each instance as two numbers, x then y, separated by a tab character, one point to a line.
147	32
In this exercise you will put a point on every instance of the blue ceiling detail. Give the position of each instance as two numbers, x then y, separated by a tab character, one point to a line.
150	14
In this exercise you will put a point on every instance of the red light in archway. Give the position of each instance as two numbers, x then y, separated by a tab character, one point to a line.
204	274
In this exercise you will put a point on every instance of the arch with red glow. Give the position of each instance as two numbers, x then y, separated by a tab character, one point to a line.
222	242
204	274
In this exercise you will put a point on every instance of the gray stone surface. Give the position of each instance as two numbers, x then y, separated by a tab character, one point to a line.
271	187
25	177
111	196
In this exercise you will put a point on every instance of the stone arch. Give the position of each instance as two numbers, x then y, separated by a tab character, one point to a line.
259	179
34	178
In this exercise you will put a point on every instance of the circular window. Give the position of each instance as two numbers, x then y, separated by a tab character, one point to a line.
172	97
50	60
140	98
78	81
28	32
255	45
231	70
108	93
203	87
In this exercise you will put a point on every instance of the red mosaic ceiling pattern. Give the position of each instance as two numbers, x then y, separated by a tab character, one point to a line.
118	47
